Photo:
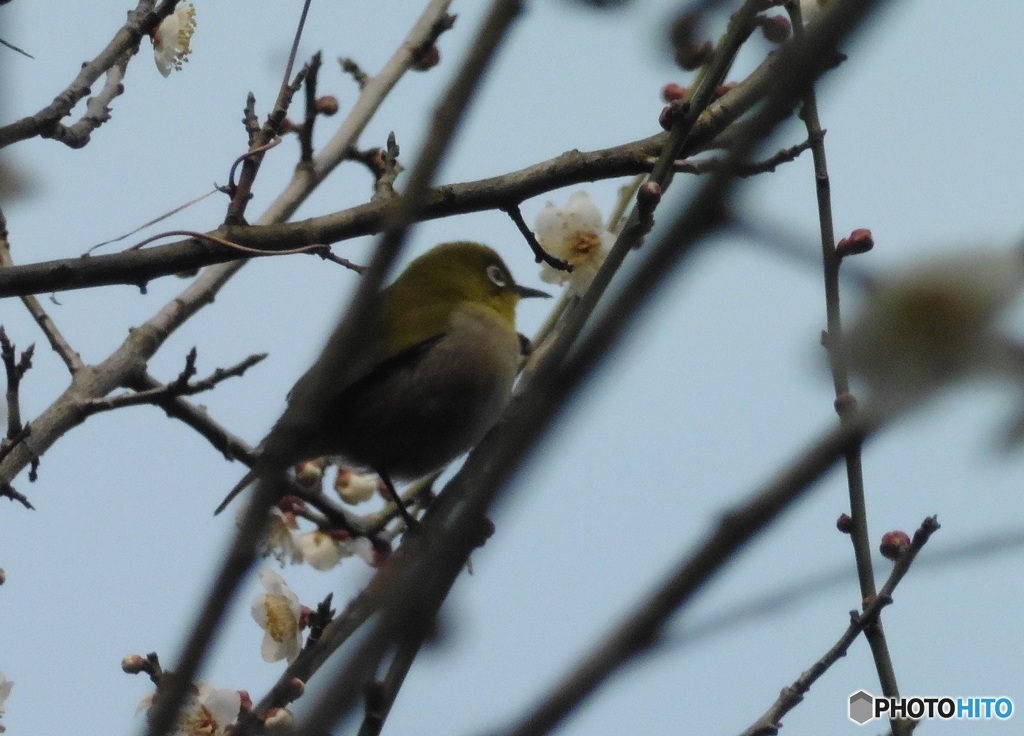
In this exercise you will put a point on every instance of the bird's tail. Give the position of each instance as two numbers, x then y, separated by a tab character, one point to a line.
248	478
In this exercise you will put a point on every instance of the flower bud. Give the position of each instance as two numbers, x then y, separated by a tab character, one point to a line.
894	544
134	664
327	105
279	719
426	58
859	241
844	523
673	91
309	472
353	487
845	404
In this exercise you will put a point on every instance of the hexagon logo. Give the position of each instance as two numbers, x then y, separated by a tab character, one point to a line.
861	707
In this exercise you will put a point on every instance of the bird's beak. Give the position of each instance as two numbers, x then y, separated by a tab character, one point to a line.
525	292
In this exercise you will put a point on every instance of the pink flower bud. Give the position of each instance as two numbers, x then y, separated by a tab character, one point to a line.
894	544
673	91
859	241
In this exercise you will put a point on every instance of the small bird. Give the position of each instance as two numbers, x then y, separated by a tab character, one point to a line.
434	373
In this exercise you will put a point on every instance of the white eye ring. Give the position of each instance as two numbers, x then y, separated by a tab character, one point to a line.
497	276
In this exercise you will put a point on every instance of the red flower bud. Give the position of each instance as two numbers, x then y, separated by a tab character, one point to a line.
859	241
894	544
673	91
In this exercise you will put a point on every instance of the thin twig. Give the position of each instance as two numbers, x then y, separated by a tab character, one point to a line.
181	386
12	47
770	722
8	491
573	167
306	129
57	341
768	165
125	43
859	534
304	404
239	558
268	137
15	370
254	150
232	446
350	67
154	221
540	255
381	695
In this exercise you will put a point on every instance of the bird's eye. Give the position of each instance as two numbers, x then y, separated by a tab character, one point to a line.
497	276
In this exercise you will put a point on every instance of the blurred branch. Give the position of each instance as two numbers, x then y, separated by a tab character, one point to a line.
239	558
304	406
127	362
641	628
125	44
428	563
573	167
380	695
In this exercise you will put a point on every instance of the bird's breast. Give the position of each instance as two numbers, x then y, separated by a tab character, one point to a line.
424	413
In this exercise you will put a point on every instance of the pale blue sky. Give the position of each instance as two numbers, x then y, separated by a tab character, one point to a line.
722	384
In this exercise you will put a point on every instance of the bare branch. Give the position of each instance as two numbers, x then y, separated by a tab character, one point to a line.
124	45
15	369
181	386
539	253
769	723
46	324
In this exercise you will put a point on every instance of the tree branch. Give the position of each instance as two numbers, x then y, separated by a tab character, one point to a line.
124	45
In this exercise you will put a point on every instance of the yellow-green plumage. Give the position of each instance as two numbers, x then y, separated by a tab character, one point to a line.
436	369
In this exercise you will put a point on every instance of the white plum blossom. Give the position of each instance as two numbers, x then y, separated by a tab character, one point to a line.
173	38
322	551
278	612
574	234
280	540
207	711
935	322
279	720
355	488
319	549
362	548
